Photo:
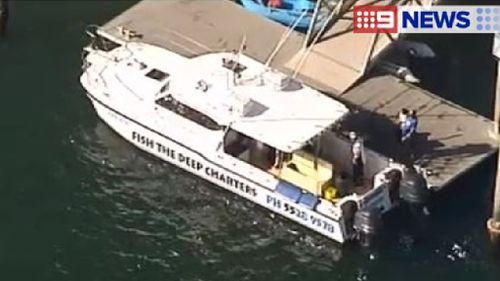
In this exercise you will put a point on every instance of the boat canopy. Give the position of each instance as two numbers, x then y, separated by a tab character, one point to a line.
233	90
290	126
262	104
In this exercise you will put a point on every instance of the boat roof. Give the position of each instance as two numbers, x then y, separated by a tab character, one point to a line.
237	91
264	105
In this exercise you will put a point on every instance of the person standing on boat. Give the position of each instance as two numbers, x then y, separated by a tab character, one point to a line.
357	159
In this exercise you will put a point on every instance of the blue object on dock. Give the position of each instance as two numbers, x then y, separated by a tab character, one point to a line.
287	13
289	190
308	200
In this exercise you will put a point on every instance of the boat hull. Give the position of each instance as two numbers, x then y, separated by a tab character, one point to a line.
176	153
283	16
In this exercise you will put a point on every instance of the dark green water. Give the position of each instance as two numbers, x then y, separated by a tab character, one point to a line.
77	203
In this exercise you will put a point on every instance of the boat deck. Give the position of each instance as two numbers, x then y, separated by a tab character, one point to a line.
451	139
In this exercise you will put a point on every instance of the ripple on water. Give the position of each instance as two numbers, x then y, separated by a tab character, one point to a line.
157	216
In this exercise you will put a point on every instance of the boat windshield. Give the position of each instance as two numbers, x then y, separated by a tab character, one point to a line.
189	113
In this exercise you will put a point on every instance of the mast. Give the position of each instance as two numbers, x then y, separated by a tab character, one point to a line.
237	58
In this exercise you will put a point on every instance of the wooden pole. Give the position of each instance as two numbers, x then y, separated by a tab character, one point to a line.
493	223
496	116
4	16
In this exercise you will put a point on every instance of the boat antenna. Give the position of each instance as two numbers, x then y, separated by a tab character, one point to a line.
242	48
306	53
283	39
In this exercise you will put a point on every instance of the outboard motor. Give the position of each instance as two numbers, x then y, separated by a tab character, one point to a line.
416	195
367	223
393	178
413	188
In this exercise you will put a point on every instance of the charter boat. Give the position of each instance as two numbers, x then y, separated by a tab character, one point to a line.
239	124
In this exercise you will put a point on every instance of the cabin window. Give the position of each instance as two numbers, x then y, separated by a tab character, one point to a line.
253	108
289	84
249	150
187	112
157	74
165	87
104	44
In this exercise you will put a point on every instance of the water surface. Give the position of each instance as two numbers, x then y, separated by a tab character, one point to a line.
78	203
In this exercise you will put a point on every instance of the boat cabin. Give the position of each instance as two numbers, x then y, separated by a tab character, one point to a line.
230	103
267	119
300	168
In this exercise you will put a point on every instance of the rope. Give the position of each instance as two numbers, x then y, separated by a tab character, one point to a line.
316	38
283	38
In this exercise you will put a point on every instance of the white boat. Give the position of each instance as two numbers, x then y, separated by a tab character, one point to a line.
234	122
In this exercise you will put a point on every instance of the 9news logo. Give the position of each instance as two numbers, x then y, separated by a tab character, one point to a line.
375	19
433	19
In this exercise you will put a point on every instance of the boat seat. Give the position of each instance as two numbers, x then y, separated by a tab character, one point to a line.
299	170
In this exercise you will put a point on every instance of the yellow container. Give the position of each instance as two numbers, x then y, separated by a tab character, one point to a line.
330	193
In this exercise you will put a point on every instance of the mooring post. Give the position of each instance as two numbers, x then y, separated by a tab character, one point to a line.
494	222
4	16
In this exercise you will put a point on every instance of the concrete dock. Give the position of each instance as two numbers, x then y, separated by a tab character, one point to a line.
451	139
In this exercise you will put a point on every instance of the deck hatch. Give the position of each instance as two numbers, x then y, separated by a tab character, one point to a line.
253	108
233	65
157	74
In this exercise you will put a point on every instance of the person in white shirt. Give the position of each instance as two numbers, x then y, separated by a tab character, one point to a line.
357	159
